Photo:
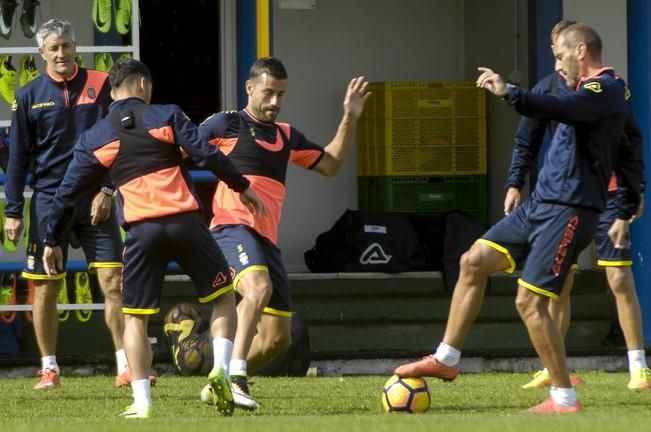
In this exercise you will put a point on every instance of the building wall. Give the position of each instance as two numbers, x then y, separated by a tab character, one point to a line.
608	18
384	40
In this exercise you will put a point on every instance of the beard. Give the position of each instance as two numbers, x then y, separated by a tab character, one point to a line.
268	114
571	72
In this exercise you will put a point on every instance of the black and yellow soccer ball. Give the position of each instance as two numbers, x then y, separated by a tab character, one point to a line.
188	338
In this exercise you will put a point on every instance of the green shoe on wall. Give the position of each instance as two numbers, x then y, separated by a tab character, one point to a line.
102	15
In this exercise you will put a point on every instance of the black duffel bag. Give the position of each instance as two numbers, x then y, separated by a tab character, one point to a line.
365	241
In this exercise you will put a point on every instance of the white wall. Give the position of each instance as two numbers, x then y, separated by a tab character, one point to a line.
608	18
491	41
323	49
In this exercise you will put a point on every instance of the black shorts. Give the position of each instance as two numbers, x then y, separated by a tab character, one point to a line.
607	255
550	238
246	250
152	244
102	244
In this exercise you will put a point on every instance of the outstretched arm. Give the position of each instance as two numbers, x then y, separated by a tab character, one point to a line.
335	152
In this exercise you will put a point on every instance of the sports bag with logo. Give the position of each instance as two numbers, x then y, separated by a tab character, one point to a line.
364	241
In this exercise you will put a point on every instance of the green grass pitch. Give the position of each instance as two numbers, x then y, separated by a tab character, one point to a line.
474	402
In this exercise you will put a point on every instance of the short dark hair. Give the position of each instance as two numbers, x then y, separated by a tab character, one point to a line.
581	33
128	69
559	27
269	65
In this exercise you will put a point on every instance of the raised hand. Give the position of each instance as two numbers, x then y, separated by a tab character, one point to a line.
491	81
356	96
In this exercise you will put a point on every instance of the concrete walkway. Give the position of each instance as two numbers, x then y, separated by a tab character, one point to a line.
368	366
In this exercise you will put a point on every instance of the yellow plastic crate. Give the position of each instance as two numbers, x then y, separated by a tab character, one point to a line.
423	128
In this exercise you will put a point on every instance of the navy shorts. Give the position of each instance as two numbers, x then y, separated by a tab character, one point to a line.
102	243
152	244
607	255
548	236
246	250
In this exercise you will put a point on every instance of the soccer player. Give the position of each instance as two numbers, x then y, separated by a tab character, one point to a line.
617	262
262	148
138	144
557	221
48	115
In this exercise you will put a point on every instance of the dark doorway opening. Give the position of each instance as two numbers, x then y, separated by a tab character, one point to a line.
179	41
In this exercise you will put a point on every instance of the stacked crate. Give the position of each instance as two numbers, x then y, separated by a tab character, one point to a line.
422	148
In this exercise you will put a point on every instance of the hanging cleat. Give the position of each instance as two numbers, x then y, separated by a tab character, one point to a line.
102	15
8	296
7	9
83	295
28	18
7	80
63	299
103	62
123	17
28	70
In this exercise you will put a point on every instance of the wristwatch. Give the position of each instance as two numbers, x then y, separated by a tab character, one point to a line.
107	190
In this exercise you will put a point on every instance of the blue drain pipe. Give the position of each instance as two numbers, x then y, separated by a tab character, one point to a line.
639	64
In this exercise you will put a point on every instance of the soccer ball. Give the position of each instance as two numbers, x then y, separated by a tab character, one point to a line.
188	339
206	395
186	311
409	395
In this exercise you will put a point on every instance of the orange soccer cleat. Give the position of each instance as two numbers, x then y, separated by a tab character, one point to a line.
429	367
49	379
548	406
124	379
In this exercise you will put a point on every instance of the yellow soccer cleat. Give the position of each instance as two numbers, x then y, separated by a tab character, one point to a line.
63	299
221	392
83	295
7	80
102	15
542	379
640	379
103	62
123	17
28	70
133	412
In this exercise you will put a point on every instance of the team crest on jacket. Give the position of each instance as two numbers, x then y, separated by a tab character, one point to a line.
91	92
593	86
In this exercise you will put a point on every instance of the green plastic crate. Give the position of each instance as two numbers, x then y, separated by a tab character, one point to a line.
425	195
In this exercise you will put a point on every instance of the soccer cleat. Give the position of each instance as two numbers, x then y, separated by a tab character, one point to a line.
103	62
221	393
123	17
63	299
132	412
640	379
83	295
124	379
548	406
542	379
49	379
428	366
7	9
28	18
7	80
241	394
28	70
102	15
